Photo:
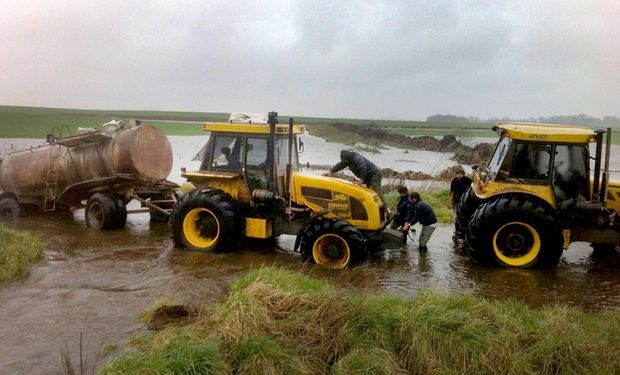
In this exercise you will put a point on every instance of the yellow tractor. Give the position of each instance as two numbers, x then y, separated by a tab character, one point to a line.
537	194
249	185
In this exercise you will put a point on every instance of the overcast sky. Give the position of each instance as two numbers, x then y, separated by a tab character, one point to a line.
379	59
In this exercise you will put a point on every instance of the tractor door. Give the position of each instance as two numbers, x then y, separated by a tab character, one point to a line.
570	175
257	163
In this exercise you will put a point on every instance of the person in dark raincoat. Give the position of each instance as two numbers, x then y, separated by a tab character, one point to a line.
366	171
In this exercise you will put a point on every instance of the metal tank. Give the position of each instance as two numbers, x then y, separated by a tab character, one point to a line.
69	170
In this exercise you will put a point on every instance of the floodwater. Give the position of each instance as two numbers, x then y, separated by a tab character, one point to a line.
96	283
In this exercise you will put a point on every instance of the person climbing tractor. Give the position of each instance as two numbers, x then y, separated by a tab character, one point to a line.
366	171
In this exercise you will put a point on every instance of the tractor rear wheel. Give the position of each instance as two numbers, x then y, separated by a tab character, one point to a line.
514	231
332	242
206	220
9	208
467	205
102	212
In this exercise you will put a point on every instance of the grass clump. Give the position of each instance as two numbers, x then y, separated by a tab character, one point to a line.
280	322
18	251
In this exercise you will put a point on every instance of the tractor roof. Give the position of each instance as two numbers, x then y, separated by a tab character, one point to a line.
545	132
226	127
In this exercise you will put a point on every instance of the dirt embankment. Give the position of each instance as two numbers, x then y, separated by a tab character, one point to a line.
463	154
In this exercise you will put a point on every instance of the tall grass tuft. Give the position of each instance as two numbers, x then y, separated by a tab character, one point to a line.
280	322
18	251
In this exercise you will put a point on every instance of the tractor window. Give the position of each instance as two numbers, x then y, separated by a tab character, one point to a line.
498	156
282	155
227	153
531	161
257	164
570	174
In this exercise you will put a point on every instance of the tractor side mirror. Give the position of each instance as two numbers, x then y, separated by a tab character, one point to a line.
301	146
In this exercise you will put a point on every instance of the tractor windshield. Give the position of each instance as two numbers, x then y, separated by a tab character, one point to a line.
227	152
498	156
282	155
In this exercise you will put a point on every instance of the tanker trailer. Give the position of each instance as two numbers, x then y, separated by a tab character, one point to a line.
104	170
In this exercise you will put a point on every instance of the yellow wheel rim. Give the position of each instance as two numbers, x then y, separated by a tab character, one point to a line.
516	244
201	228
331	250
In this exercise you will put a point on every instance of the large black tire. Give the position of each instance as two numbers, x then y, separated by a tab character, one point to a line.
207	220
121	211
514	231
9	208
467	205
102	212
332	242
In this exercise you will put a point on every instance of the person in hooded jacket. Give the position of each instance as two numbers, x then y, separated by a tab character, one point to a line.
404	213
423	213
366	171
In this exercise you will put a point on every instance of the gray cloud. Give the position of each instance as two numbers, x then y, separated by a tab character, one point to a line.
381	59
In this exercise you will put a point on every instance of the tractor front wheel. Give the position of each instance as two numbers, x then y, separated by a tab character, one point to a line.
333	243
206	220
514	231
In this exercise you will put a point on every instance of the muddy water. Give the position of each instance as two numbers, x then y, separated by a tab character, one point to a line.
98	282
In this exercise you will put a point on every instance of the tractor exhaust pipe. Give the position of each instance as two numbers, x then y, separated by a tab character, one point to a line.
605	176
272	120
597	166
289	165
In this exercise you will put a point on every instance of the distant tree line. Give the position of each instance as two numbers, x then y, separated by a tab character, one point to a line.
580	119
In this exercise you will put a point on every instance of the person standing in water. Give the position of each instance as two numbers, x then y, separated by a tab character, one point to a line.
423	213
458	186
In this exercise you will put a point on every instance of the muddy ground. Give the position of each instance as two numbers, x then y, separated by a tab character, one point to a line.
98	282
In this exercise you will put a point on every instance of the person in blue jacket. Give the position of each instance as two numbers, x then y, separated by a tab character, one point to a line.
423	213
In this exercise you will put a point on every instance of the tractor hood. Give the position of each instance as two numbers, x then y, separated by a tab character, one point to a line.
356	204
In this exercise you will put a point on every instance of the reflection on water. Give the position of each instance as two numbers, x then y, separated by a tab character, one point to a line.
98	282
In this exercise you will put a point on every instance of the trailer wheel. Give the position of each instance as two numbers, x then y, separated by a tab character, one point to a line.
101	212
514	231
207	220
9	208
332	242
121	211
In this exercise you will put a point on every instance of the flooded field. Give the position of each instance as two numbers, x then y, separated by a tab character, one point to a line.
98	282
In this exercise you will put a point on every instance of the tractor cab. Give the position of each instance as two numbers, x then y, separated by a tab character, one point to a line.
544	160
244	153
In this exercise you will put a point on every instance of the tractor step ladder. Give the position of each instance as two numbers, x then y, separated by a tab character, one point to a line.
51	180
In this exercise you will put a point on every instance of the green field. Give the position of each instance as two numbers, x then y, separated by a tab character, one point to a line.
33	122
37	122
440	132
